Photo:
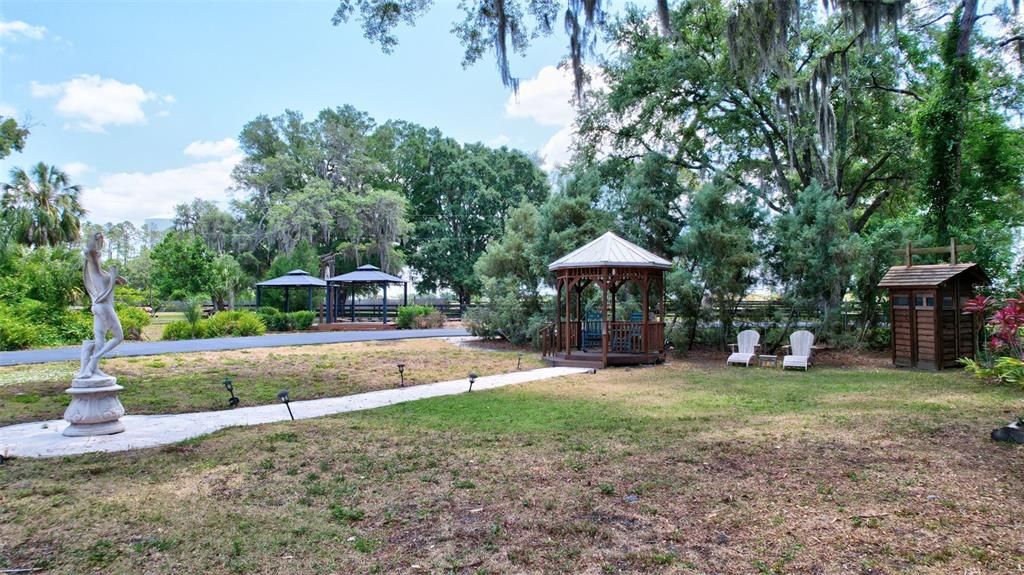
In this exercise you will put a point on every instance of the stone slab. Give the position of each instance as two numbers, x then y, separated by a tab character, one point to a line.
45	439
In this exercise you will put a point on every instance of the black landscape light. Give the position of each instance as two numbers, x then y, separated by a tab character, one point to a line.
233	400
472	379
283	396
401	374
519	361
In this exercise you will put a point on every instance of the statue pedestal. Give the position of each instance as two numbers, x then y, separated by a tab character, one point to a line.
95	408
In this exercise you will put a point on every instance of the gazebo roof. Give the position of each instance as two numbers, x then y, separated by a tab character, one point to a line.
294	278
610	250
367	274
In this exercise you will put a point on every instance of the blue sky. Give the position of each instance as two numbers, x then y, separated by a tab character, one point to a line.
139	100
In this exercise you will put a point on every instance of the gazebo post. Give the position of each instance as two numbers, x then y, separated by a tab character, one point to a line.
385	314
287	308
645	288
405	294
309	298
352	304
258	294
604	320
568	315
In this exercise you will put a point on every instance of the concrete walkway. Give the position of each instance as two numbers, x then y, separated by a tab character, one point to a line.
135	348
44	439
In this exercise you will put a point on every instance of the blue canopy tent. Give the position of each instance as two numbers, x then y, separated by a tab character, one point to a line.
363	275
293	279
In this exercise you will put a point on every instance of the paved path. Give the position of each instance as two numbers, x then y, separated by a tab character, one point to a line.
225	343
44	439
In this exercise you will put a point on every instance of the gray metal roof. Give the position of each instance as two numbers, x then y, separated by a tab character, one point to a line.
367	274
930	275
294	278
612	251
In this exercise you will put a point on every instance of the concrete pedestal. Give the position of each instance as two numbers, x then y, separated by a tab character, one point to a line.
95	408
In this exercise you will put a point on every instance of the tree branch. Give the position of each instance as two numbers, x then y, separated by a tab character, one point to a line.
876	86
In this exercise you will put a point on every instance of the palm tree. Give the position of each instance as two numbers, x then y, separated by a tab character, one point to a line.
43	205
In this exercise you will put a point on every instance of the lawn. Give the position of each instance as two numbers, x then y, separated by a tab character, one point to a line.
155	330
177	383
683	468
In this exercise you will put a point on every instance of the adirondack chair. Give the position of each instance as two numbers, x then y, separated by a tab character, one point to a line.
747	342
592	330
801	343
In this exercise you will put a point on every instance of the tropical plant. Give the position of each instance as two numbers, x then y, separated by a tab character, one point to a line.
43	205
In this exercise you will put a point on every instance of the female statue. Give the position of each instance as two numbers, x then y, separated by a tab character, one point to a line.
100	285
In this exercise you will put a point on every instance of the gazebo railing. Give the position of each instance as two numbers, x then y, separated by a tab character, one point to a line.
623	336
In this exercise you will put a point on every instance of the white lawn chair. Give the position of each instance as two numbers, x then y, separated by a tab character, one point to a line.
746	341
801	343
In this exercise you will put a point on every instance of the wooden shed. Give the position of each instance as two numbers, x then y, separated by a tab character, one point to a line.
928	329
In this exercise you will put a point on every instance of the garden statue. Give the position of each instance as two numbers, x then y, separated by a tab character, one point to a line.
95	408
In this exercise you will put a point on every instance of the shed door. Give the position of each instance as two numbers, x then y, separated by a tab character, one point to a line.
902	324
925	332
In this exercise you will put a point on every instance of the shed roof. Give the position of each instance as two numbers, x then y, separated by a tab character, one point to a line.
612	251
294	278
367	274
930	275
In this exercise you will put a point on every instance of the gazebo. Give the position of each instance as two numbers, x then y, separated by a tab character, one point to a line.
293	279
600	338
363	275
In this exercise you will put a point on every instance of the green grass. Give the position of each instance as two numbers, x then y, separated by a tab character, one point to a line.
679	469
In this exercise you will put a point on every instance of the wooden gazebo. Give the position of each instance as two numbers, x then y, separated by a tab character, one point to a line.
599	338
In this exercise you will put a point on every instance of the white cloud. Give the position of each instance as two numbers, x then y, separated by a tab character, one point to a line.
8	111
92	102
135	196
76	169
499	141
557	151
547	100
218	149
17	30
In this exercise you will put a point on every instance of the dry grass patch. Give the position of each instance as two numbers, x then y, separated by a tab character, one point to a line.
729	471
178	383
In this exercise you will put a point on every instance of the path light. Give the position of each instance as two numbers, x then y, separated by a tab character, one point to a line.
283	396
233	400
401	374
472	379
519	361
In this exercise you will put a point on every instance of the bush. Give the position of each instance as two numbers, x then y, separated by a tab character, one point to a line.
234	323
15	333
132	320
274	320
302	320
432	320
407	315
180	329
222	324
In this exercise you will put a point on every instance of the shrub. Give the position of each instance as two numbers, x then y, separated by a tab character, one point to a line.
302	320
434	319
132	320
180	329
15	333
407	315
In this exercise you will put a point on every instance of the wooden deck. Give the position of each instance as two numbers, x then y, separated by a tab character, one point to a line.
593	359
